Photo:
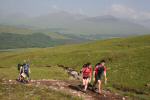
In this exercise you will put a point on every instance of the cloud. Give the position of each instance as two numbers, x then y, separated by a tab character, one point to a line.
81	11
128	12
55	7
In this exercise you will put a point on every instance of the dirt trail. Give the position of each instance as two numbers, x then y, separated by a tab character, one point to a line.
72	87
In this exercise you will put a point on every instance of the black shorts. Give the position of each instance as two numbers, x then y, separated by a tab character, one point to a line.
85	78
98	77
27	73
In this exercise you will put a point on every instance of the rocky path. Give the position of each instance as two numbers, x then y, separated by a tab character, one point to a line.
71	87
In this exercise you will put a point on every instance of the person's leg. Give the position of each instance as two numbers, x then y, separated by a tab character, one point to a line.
86	84
95	82
21	79
100	86
19	76
27	73
83	83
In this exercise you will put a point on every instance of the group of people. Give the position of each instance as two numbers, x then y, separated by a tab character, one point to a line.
99	71
24	71
87	73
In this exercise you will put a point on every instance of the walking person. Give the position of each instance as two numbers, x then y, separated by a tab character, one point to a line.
100	70
26	69
90	68
20	69
85	75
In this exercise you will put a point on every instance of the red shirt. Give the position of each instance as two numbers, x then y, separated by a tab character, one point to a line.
86	72
90	71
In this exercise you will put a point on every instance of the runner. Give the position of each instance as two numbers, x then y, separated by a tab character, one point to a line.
86	75
100	70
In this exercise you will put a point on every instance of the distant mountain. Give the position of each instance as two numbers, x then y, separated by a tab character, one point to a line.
55	20
110	25
68	23
14	19
101	18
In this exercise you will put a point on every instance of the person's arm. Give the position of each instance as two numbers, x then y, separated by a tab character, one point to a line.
20	69
23	69
94	73
105	75
29	70
81	71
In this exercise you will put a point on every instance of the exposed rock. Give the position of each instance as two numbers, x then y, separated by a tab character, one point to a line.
147	85
71	72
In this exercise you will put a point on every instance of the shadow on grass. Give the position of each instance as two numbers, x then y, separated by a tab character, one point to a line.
127	89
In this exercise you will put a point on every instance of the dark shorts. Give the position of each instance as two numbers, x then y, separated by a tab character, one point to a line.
85	78
98	77
27	73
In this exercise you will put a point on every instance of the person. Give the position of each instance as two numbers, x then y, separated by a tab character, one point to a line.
20	69
26	70
85	75
100	70
90	68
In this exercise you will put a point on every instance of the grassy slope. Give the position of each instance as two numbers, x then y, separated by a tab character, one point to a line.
13	41
128	59
23	92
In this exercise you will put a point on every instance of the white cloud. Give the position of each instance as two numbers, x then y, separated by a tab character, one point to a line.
127	12
54	7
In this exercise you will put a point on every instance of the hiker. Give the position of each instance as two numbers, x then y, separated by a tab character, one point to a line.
26	69
20	69
85	75
99	71
90	68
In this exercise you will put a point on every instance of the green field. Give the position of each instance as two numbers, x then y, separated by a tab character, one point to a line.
127	61
22	92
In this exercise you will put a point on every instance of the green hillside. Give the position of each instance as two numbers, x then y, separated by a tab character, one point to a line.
13	29
12	41
127	61
12	37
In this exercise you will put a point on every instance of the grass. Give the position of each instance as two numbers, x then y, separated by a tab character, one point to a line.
127	61
23	92
36	73
12	40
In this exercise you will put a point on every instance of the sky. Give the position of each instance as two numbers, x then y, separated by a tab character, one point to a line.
132	9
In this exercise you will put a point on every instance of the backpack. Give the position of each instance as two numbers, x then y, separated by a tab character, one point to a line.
26	67
101	70
18	66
